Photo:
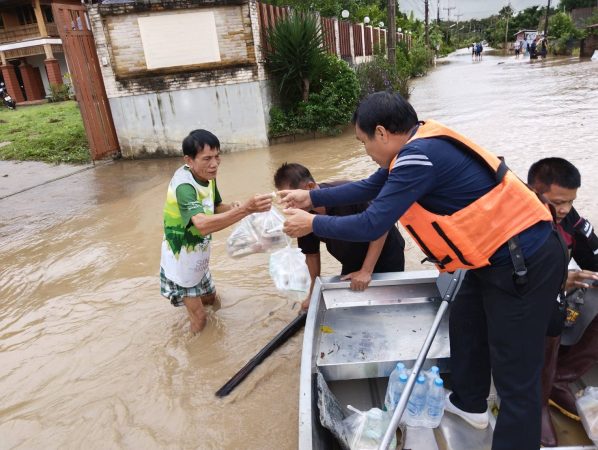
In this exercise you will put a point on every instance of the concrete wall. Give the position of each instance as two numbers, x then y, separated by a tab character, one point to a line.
155	124
155	109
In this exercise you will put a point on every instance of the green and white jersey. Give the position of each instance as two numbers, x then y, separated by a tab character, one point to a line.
185	252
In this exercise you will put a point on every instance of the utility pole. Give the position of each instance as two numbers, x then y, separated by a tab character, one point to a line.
438	12
457	27
546	20
427	25
448	19
507	32
448	12
391	38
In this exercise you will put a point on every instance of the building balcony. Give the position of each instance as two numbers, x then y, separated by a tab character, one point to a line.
26	32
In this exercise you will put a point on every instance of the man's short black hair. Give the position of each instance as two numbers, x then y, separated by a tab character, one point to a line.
292	174
391	111
197	140
548	171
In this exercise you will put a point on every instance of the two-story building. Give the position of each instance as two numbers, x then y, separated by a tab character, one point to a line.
30	50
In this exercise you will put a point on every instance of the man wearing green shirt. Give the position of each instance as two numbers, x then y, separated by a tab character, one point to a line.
192	212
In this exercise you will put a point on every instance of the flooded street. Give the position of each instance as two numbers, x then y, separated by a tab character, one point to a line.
93	357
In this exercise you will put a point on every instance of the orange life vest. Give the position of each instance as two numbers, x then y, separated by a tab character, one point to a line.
469	237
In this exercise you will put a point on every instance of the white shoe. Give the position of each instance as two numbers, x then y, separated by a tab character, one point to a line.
476	420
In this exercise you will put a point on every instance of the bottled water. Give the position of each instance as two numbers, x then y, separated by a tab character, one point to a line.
396	386
431	375
435	404
417	399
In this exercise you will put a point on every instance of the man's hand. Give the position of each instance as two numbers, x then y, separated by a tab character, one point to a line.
296	198
258	203
298	223
360	280
580	279
305	303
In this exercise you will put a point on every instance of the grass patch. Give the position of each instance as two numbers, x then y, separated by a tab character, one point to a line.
51	132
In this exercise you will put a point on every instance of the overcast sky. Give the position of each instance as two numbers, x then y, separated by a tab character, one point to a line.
470	9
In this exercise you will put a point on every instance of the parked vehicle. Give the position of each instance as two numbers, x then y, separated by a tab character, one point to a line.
6	98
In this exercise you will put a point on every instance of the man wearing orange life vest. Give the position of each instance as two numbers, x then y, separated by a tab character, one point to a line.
465	209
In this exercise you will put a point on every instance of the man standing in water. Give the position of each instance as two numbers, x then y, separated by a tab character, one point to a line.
558	181
192	212
359	259
465	210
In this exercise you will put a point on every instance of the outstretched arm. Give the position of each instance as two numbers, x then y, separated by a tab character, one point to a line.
228	215
360	280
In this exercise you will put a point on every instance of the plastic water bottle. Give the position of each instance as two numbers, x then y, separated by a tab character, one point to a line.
417	400
435	404
396	384
431	375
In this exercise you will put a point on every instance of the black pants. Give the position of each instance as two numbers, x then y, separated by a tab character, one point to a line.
497	327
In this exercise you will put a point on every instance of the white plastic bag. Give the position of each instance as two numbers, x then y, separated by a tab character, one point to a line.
257	233
365	430
587	407
289	271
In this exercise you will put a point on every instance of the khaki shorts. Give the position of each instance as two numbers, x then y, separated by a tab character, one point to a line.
176	293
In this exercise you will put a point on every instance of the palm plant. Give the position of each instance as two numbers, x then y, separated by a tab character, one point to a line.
295	55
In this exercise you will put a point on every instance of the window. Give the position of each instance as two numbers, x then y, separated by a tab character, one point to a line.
47	13
25	14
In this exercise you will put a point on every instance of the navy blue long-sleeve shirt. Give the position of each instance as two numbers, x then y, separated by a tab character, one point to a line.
435	172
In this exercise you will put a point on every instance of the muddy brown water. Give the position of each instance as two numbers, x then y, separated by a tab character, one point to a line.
92	357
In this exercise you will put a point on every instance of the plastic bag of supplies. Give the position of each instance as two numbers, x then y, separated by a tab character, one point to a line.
587	407
289	271
366	429
257	233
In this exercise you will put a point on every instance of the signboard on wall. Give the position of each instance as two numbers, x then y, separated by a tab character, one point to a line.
182	39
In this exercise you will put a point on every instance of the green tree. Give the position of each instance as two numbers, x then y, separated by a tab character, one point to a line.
294	55
528	19
572	4
561	25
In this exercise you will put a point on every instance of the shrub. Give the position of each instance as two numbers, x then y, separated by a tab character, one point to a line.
281	122
334	102
420	58
379	75
59	93
330	104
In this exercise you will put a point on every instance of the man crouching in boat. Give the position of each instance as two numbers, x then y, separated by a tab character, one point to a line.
359	259
558	181
192	212
465	210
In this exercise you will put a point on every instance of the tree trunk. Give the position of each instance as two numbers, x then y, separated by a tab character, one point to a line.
305	89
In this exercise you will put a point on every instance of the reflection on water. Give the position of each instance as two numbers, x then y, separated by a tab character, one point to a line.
93	357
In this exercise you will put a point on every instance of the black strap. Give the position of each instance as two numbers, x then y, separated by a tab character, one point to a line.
501	171
567	257
520	271
440	263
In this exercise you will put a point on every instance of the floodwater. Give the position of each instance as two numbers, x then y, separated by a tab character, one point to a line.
92	357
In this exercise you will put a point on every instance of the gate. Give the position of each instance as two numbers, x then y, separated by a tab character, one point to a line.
74	30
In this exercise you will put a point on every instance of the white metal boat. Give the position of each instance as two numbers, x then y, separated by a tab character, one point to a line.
354	339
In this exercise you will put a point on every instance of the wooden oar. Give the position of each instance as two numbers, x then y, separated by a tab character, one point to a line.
278	340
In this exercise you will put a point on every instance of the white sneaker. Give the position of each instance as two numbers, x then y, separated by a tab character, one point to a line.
476	420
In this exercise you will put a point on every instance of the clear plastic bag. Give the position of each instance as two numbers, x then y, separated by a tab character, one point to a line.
587	407
365	430
289	271
257	233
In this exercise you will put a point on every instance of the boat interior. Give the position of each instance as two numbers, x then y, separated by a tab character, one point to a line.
354	340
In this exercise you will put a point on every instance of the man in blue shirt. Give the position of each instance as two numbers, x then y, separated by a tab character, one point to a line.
500	317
